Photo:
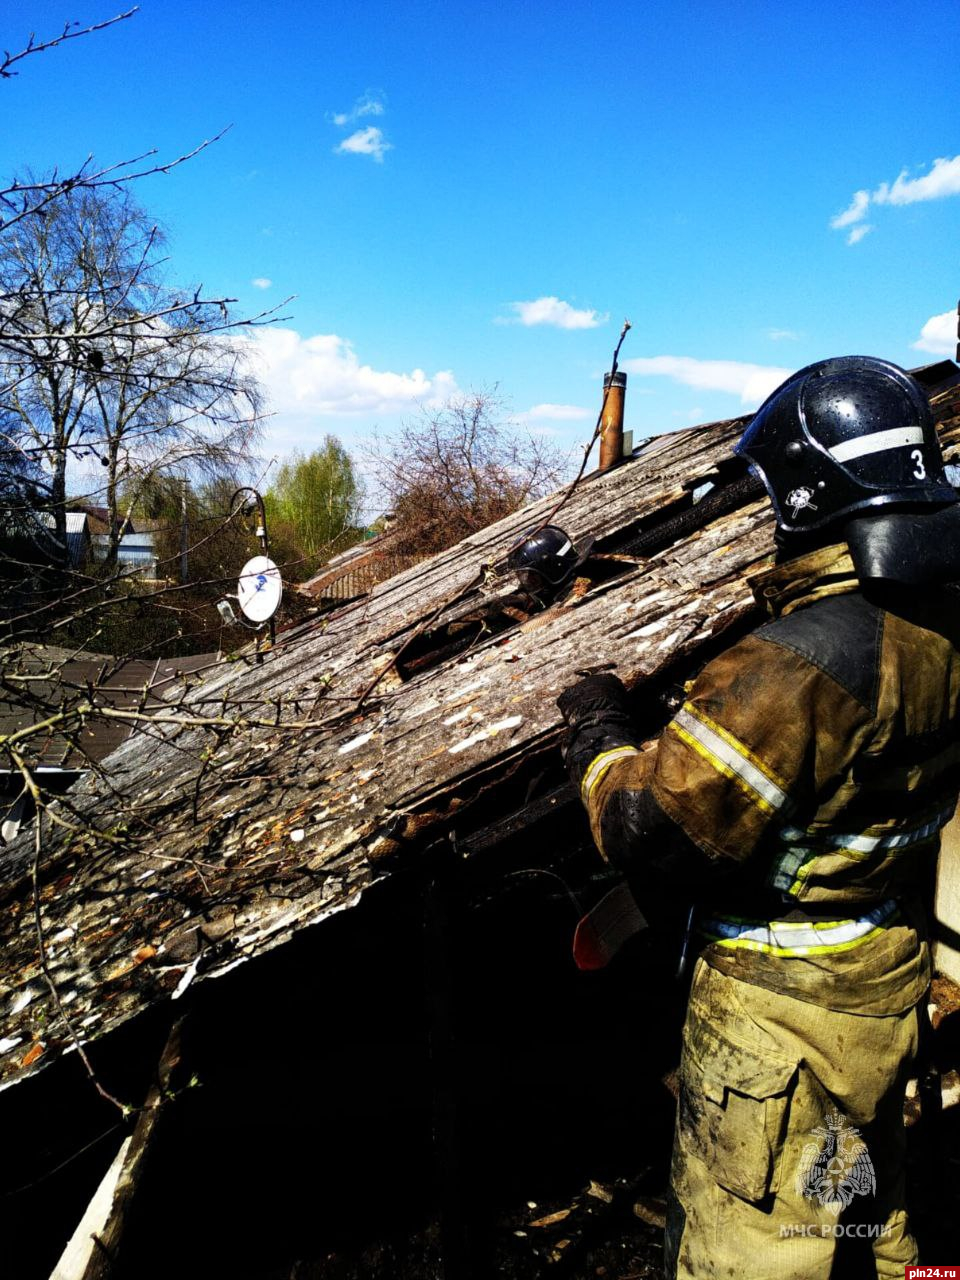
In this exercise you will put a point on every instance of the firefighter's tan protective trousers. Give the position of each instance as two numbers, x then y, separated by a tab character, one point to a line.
767	1167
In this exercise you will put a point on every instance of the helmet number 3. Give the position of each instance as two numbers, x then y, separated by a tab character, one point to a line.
919	471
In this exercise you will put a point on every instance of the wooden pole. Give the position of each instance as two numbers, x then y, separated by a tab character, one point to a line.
91	1253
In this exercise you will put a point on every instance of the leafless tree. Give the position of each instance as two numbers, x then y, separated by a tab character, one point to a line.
101	358
457	469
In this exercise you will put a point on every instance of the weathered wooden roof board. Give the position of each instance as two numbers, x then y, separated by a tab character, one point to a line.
219	849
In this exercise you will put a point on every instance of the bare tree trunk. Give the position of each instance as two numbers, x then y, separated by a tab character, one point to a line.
113	545
58	501
184	535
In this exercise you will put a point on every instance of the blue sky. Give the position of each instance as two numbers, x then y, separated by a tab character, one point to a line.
462	195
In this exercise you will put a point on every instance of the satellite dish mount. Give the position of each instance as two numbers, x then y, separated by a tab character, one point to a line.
260	586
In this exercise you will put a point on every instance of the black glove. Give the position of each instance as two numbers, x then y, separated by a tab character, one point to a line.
594	696
597	712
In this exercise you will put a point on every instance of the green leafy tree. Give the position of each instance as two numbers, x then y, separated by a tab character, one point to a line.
315	501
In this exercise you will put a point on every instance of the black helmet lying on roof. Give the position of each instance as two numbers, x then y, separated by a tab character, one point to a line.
850	444
547	557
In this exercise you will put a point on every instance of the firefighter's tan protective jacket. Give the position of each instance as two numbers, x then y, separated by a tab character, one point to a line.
821	753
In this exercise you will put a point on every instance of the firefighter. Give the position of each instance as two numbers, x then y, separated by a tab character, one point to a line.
798	796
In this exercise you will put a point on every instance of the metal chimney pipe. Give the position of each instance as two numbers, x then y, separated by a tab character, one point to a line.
611	425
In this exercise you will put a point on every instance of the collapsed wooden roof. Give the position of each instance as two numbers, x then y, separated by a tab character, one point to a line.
266	798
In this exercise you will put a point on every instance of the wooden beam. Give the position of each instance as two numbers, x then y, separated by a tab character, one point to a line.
94	1248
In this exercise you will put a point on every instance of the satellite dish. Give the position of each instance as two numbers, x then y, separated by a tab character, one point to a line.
259	589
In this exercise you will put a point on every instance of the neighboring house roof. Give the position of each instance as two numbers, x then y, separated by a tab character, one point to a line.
98	518
355	571
133	538
36	677
326	779
78	533
78	536
141	539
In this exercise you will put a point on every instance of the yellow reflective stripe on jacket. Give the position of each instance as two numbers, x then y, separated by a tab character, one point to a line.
730	757
599	766
799	938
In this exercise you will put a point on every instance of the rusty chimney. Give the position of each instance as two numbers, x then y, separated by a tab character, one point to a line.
611	428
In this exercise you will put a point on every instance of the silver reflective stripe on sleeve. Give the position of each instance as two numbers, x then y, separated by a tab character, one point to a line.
877	442
796	938
895	840
798	861
727	756
599	766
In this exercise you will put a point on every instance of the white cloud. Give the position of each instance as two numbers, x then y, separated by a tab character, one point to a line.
942	180
857	233
322	375
939	335
552	311
556	413
751	382
261	282
365	142
783	335
369	104
856	212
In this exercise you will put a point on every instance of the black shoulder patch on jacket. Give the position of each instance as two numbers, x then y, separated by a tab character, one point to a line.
841	636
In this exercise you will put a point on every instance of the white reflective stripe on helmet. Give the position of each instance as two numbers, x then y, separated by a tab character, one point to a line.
728	756
876	442
599	766
799	938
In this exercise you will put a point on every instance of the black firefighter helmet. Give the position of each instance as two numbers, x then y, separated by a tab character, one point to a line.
547	557
849	445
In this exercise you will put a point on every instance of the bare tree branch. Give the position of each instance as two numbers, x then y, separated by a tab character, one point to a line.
457	469
66	34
